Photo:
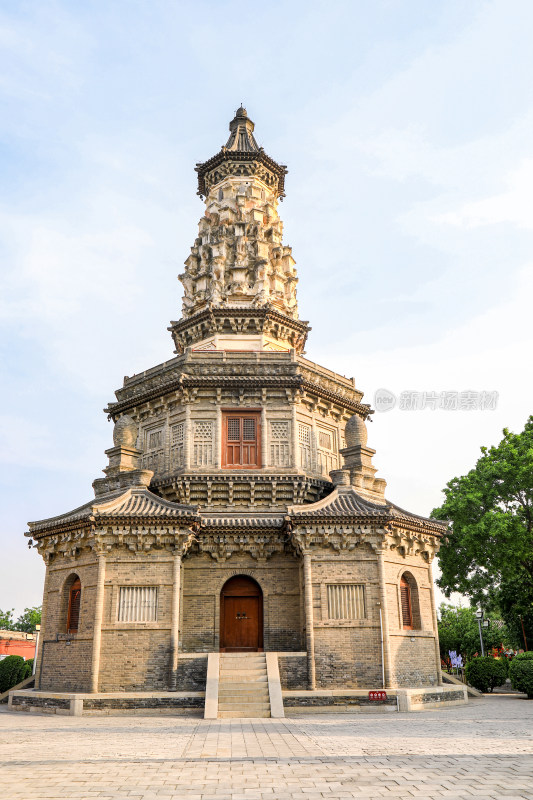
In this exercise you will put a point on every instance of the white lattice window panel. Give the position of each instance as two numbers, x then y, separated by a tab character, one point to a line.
202	455
178	434
203	431
155	439
177	443
324	440
279	431
154	461
326	455
326	462
304	438
280	451
346	601
137	604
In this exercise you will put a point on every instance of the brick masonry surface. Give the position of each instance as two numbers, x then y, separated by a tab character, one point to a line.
483	750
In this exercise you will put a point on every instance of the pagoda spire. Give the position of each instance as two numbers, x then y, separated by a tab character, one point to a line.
239	261
242	133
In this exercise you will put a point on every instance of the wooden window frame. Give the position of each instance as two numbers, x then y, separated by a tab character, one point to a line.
76	587
405	588
241	414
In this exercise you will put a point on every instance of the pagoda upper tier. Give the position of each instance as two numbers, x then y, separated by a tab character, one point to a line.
238	263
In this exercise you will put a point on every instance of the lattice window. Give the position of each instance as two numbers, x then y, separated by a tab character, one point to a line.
248	430
304	438
155	439
324	440
177	442
154	456
203	443
346	601
280	451
234	429
327	456
137	604
178	434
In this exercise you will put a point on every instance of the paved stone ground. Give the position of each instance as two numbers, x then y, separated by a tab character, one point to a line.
483	750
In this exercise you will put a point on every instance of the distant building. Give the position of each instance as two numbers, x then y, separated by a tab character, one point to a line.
17	643
240	511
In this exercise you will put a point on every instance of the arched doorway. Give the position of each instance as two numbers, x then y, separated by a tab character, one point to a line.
241	615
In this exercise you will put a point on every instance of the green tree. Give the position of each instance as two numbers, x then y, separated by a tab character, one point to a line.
29	619
488	553
12	671
6	620
459	631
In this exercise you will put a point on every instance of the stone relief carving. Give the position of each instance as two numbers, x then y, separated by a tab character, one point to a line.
238	257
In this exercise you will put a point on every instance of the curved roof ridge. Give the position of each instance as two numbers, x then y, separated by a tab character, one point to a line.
343	499
131	502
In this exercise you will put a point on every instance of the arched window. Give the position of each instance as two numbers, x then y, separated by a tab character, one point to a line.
220	194
73	614
406	604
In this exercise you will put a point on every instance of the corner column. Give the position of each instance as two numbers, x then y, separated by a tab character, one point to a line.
309	621
384	618
174	631
435	626
98	616
187	441
37	666
294	437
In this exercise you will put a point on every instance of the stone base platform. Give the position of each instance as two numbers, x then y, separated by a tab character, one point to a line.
329	701
295	703
76	704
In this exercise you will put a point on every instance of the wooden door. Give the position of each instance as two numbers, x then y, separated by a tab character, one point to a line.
241	440
241	615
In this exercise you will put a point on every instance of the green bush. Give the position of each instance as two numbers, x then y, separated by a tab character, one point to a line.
521	673
485	672
12	671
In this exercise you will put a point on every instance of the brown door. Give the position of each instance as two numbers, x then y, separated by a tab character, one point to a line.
241	440
241	615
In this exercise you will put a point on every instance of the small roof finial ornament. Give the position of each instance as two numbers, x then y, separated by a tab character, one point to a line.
125	432
355	432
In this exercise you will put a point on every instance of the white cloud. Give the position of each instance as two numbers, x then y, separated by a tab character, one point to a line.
514	206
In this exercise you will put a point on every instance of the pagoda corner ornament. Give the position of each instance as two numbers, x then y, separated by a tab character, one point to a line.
240	511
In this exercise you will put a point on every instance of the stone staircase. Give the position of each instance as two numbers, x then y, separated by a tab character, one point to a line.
243	685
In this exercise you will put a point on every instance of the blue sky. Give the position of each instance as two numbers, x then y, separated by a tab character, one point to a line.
407	129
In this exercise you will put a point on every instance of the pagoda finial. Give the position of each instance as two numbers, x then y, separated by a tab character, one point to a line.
241	136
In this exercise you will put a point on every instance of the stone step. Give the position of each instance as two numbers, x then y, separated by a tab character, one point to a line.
242	677
243	715
248	654
245	657
230	694
245	708
243	686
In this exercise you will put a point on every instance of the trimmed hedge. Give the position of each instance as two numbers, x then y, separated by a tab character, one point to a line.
521	673
485	672
13	670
